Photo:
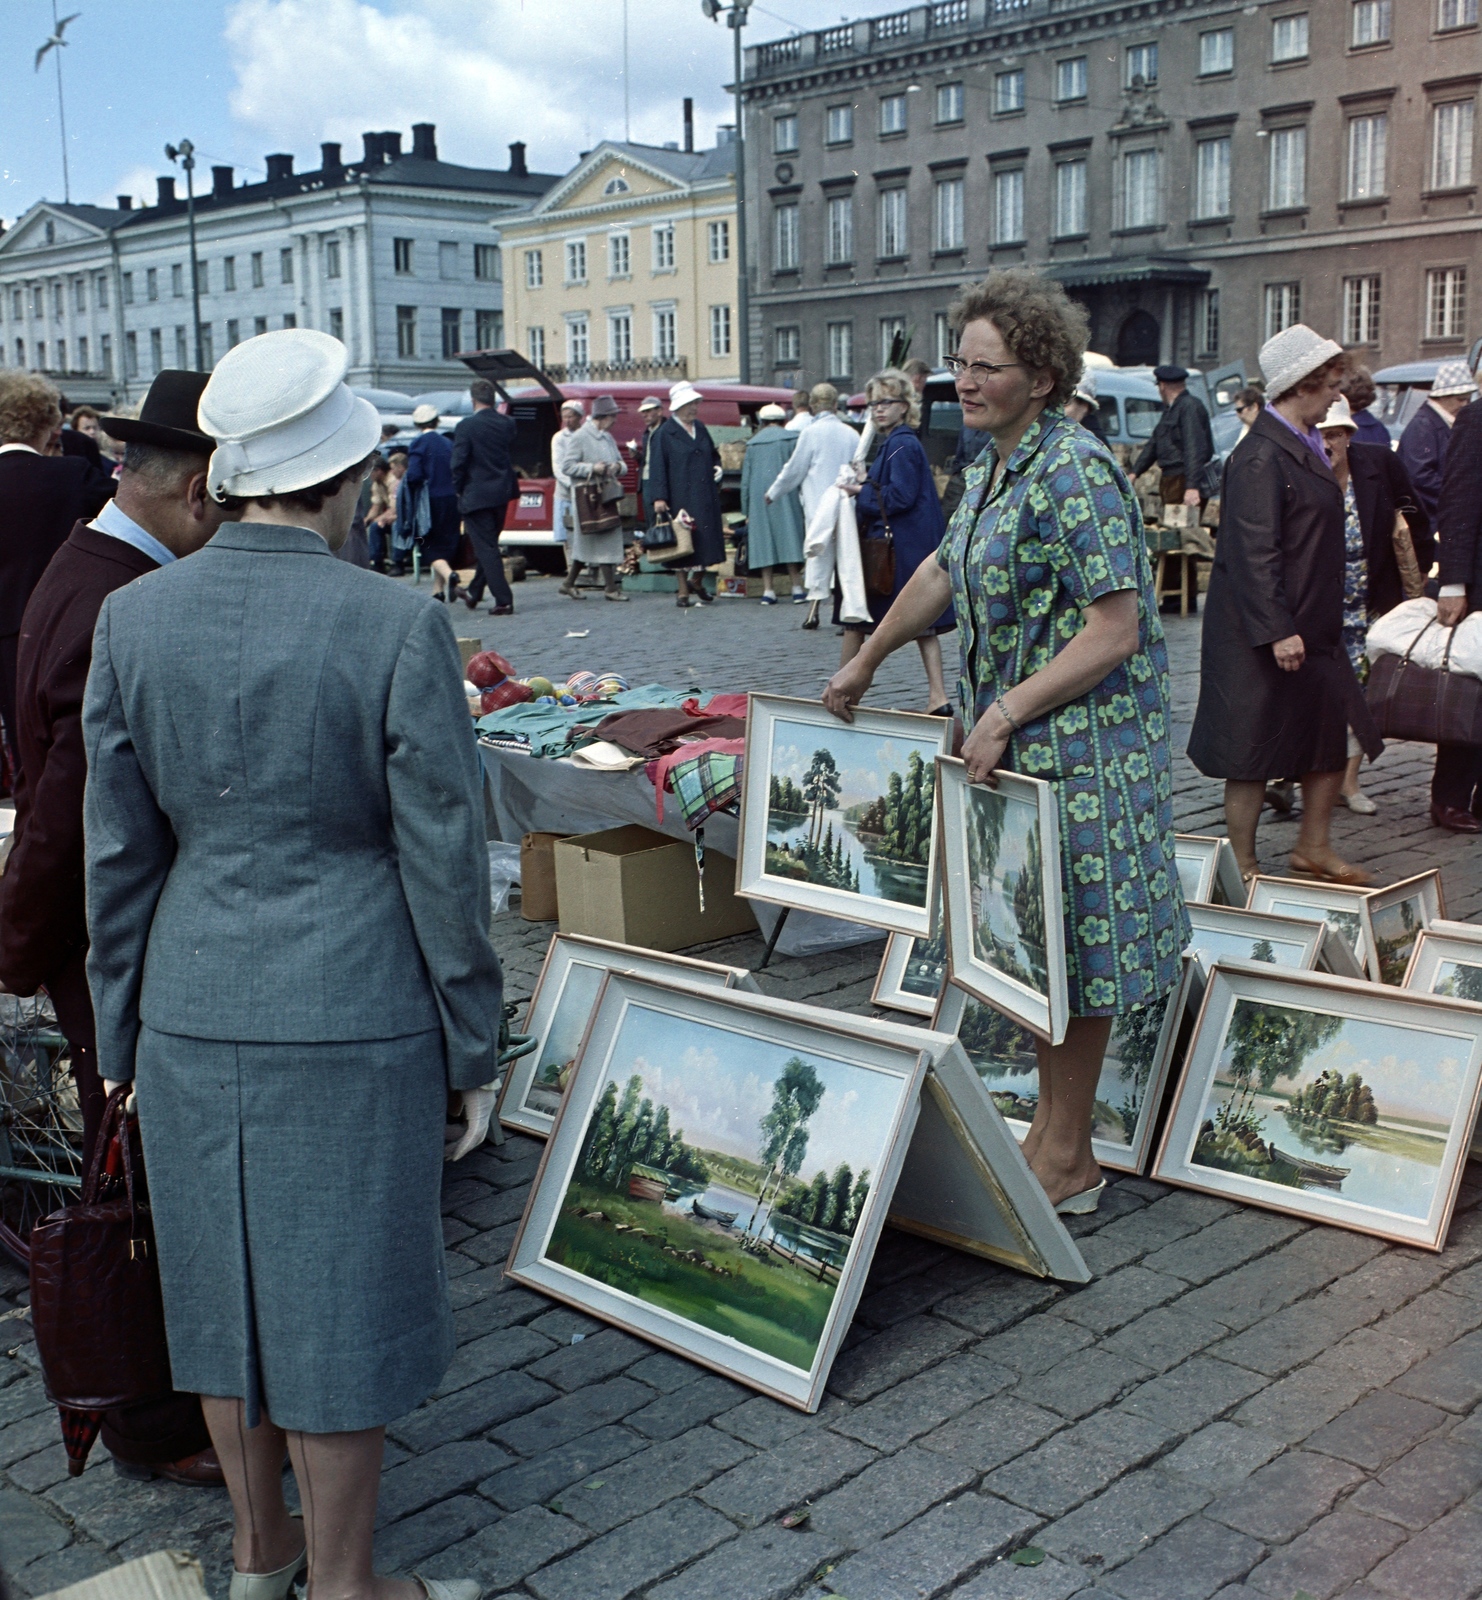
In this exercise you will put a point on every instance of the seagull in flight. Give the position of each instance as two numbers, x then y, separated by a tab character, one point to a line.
56	39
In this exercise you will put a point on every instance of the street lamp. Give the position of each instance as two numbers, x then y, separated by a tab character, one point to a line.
735	16
185	154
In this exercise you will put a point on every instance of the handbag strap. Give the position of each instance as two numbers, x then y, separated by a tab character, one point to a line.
113	1121
1418	637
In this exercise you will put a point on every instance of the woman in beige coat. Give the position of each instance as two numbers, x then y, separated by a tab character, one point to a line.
590	455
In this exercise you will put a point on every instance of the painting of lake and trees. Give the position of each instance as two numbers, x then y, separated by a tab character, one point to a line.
852	810
721	1178
1396	928
1005	877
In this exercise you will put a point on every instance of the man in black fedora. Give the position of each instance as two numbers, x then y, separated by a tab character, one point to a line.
160	513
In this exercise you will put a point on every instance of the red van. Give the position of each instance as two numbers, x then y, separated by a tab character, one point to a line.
533	399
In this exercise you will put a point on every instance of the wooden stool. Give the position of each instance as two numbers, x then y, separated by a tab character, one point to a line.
1185	585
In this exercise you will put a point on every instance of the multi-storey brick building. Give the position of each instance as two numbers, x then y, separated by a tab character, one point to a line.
1200	173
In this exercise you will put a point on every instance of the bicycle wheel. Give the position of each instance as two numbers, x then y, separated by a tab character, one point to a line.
40	1121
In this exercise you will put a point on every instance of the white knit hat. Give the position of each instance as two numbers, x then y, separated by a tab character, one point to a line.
282	416
1340	415
1452	377
1293	354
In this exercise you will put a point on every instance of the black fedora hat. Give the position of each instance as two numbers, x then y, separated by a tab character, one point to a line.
168	416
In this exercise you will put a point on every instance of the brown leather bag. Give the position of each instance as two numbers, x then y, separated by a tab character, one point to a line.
593	513
877	557
95	1284
1412	580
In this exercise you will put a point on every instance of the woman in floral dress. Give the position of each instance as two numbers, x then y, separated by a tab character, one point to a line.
1065	678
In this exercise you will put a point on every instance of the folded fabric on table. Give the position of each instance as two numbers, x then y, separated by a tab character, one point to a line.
719	705
654	733
554	730
708	784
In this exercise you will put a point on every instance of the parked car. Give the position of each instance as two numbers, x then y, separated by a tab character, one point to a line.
1403	389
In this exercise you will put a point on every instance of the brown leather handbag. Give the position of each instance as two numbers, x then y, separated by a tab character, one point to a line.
593	513
877	557
95	1284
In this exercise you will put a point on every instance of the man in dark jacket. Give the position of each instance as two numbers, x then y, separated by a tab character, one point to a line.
486	484
161	512
1456	787
1427	436
1182	444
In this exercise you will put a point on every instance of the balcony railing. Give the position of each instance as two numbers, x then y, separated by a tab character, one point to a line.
617	371
897	26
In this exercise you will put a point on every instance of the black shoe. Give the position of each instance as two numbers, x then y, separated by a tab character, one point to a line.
471	600
501	611
704	597
398	570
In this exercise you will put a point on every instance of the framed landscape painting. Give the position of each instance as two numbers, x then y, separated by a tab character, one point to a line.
1329	1099
1001	895
912	973
1207	870
718	1176
1231	933
1450	964
839	817
561	1006
1397	917
1346	911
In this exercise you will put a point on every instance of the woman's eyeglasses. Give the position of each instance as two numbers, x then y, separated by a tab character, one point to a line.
887	400
979	371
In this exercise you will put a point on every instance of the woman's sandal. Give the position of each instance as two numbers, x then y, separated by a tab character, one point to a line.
1082	1204
270	1585
1338	872
449	1588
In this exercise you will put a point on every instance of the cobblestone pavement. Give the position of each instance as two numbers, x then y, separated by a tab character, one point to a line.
1238	1405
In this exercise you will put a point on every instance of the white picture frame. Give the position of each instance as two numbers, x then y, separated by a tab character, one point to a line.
1344	909
1436	951
1208	872
574	962
782	734
1232	933
1352	1103
1037	995
1398	915
897	986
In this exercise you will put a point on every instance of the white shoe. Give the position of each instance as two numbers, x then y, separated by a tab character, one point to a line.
270	1585
1360	802
800	597
1082	1204
449	1588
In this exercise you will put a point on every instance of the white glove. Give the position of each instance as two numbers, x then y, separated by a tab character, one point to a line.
477	1109
719	473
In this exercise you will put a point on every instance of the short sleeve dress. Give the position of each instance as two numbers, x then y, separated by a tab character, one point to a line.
1060	529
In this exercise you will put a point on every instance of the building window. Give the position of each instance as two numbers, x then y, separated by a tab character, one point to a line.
535	341
1212	178
1283	307
615	186
619	336
785	238
1140	185
619	255
406	332
1142	62
891	329
1457	14
1371	20
79	294
949	102
1367	139
1208	323
41	355
1451	144
1008	92
534	269
1070	199
1361	310
578	341
285	265
177	281
182	349
720	332
666	339
157	347
62	355
1286	186
718	236
203	272
82	354
576	261
107	354
259	325
1445	303
447	260
787	343
784	135
892	203
1008	207
1070	79
944	343
840	349
128	293
840	237
948	218
893	114
131	354
208	352
663	233
290	319
488	330
401	257
331	258
488	263
257	269
229	274
839	124
452	324
101	291
234	328
1289	38
58	301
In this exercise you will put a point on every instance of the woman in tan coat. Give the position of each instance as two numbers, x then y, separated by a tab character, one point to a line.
590	456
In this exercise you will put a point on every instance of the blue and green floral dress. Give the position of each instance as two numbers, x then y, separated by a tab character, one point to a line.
1060	529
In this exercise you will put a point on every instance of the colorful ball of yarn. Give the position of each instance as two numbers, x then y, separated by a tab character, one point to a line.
580	682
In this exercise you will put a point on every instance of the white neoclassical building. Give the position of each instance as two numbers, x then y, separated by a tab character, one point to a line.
397	255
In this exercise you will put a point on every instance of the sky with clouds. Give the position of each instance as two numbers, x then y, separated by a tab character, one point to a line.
242	78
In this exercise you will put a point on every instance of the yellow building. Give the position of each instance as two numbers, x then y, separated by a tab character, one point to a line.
627	267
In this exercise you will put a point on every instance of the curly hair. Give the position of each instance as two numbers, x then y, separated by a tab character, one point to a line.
1319	379
28	406
893	384
1036	319
1358	388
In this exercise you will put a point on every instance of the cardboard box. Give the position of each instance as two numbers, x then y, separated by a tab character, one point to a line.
538	899
635	886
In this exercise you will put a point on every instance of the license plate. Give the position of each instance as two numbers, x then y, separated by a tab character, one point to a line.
534	502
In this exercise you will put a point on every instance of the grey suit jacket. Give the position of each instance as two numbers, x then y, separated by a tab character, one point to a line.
284	819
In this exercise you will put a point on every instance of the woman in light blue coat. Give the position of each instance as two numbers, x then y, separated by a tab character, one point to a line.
774	530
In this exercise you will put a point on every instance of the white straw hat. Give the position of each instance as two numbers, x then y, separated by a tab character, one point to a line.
425	414
1340	415
772	412
1452	377
282	416
1292	355
682	394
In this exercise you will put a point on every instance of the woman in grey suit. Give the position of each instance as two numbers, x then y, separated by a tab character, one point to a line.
281	766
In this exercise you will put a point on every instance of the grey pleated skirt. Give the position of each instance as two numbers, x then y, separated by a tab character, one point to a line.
296	1196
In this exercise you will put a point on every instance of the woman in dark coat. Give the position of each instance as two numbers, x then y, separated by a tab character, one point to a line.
1277	694
684	475
899	500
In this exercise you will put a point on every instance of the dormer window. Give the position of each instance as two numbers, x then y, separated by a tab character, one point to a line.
616	186
51	233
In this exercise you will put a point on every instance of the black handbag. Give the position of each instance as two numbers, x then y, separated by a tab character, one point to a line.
1431	705
661	535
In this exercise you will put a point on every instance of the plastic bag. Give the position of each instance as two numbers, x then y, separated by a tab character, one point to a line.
1395	632
504	874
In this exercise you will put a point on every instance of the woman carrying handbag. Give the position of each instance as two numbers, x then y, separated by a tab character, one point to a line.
593	465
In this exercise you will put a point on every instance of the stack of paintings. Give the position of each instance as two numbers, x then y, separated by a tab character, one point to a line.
1208	871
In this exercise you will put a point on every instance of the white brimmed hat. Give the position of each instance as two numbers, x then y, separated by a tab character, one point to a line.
1291	355
682	394
1452	377
1340	415
282	415
425	414
772	412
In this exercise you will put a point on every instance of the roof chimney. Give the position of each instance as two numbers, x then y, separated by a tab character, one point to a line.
279	167
125	202
424	141
221	182
329	160
391	144
374	155
166	195
689	126
517	167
